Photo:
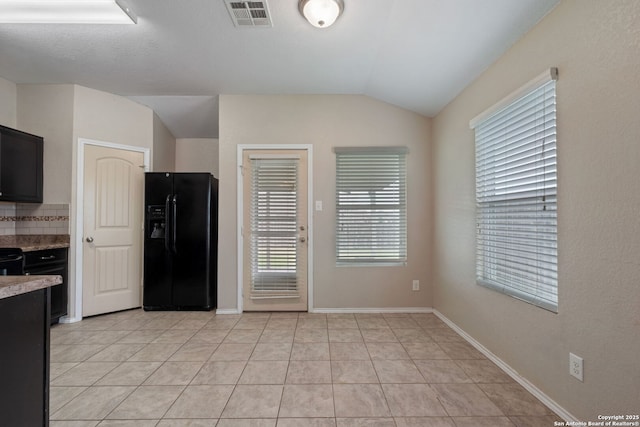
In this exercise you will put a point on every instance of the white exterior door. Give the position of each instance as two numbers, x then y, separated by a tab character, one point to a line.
112	252
275	230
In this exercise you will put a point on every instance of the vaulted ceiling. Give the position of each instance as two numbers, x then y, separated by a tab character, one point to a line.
416	54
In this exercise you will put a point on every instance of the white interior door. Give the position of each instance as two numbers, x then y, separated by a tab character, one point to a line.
112	252
275	230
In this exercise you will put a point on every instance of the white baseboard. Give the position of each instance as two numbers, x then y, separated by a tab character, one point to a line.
227	311
539	394
224	311
372	310
65	319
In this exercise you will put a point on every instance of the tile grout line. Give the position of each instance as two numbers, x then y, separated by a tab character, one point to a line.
243	369
184	387
333	389
136	388
233	389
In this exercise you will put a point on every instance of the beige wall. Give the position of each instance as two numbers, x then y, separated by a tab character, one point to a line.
63	113
8	102
325	122
47	111
197	155
106	117
164	147
595	46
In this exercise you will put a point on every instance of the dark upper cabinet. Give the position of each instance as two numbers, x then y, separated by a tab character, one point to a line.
20	166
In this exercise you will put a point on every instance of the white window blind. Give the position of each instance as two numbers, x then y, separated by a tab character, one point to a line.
516	181
274	227
371	205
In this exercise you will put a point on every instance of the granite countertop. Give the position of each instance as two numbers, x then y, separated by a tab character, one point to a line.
35	242
16	285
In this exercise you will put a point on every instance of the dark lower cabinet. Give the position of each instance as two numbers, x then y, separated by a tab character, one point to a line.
24	359
51	261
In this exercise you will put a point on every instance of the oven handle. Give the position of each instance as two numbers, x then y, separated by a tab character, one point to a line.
10	258
40	271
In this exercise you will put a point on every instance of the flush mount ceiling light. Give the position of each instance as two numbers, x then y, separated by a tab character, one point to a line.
66	12
321	13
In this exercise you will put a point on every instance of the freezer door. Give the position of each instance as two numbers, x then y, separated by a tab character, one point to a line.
191	227
157	254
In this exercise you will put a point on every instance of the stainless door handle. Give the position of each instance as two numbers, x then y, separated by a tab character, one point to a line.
89	239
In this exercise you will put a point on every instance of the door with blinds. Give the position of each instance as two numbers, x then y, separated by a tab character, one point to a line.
275	230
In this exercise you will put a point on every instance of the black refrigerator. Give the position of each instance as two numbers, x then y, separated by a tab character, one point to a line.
181	241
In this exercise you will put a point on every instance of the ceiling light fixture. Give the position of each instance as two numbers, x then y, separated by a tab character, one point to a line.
321	13
66	12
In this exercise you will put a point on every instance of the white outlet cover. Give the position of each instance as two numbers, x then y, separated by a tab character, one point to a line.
318	205
576	366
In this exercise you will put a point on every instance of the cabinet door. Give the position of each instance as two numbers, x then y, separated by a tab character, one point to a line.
20	166
24	359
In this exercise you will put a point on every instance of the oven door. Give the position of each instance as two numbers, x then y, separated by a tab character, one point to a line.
58	292
11	262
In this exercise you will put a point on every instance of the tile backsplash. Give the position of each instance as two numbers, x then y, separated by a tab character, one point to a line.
25	218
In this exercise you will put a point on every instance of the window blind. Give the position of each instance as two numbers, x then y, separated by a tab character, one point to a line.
273	216
516	199
371	205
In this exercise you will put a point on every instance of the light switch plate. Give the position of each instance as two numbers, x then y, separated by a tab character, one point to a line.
318	205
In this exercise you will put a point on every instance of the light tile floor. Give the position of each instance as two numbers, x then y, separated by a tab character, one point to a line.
178	369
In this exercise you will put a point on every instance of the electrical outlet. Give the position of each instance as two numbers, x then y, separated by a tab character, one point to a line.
416	285
575	366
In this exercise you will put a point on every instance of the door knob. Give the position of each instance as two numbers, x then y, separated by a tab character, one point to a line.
89	239
303	239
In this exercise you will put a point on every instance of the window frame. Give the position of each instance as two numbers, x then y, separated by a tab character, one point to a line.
274	178
376	163
516	194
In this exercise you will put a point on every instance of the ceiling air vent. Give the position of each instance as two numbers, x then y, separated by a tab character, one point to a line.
249	13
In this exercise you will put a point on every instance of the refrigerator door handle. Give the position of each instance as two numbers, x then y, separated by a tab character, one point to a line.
174	227
167	222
